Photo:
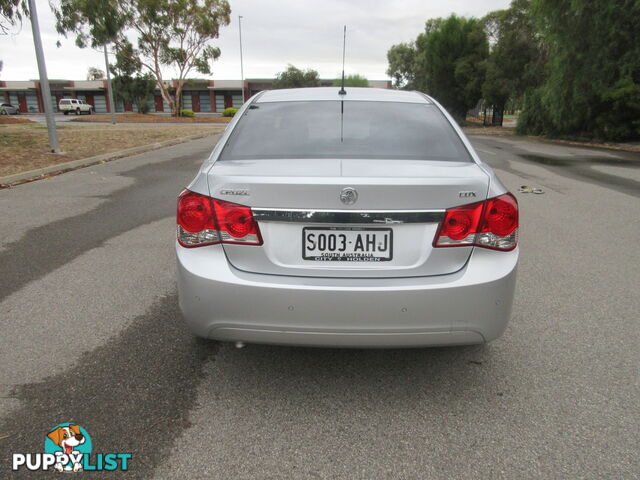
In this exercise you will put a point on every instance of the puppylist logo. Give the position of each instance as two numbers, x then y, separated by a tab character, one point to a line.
68	448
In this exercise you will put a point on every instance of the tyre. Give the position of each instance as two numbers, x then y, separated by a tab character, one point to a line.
77	111
66	112
4	112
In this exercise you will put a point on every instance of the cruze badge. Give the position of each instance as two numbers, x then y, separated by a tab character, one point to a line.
234	191
348	196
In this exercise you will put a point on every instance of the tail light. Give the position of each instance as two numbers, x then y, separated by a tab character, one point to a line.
489	224
206	221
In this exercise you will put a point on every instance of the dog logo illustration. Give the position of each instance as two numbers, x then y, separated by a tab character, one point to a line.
68	448
69	442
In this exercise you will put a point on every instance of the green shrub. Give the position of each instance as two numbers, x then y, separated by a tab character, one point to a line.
187	113
143	107
229	112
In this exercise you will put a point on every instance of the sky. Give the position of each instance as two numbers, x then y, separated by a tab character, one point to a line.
305	33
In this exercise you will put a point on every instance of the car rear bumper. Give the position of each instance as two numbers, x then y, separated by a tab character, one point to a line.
472	305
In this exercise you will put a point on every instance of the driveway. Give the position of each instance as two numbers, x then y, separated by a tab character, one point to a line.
41	118
91	333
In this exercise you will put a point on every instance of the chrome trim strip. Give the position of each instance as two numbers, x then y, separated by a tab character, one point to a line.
387	217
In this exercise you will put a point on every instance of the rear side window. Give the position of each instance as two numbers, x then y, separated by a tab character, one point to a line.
65	102
349	129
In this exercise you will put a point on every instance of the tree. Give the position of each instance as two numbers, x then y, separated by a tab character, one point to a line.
517	57
136	90
450	62
11	13
592	79
94	73
293	77
168	33
401	58
354	80
129	84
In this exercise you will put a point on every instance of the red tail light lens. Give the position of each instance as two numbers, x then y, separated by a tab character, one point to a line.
194	212
236	223
205	221
489	224
461	222
501	215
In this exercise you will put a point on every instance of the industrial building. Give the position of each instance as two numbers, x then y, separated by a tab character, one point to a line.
198	95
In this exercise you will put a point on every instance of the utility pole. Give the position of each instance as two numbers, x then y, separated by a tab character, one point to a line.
112	106
241	66
54	144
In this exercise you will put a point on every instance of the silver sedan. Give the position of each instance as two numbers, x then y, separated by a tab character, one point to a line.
8	109
363	219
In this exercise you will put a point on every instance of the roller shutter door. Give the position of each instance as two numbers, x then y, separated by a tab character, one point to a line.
237	101
100	104
32	103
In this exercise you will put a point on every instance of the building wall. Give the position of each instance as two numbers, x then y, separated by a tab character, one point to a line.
186	101
32	102
54	100
203	95
100	103
152	104
205	101
236	99
210	99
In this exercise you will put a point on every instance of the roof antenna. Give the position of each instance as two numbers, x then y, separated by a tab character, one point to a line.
344	45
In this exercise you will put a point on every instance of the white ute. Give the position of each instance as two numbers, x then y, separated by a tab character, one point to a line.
73	105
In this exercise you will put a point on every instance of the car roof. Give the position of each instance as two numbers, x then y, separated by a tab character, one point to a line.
363	94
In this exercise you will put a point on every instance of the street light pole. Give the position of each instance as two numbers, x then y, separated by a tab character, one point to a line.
112	106
241	65
54	144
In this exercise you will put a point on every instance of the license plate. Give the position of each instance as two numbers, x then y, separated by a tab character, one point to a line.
343	244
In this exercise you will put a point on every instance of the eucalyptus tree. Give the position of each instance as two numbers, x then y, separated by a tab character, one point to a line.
163	34
447	61
294	77
11	13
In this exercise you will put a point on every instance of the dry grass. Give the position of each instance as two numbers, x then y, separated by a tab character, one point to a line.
25	147
480	130
474	127
623	147
7	120
152	118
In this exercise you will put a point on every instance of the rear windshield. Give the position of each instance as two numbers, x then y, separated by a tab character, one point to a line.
349	129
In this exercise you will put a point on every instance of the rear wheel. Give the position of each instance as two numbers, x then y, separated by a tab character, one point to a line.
4	112
77	111
66	112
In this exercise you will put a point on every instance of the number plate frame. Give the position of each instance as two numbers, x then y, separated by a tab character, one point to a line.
317	258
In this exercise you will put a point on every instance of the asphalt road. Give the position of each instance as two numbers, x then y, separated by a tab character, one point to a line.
41	118
101	117
91	334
